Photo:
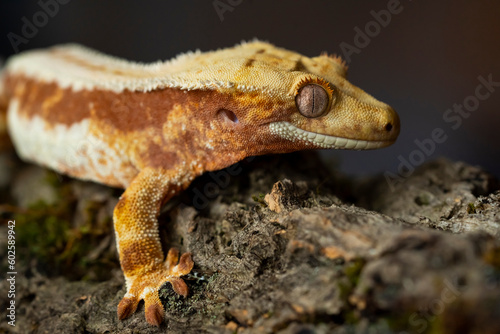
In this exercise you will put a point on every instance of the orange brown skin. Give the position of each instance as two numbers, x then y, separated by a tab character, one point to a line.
166	137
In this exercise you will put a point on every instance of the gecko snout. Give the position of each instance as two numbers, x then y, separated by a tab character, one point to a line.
390	124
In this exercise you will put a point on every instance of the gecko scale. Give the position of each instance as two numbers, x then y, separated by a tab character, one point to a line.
152	128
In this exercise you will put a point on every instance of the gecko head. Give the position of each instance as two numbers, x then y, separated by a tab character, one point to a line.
329	112
282	101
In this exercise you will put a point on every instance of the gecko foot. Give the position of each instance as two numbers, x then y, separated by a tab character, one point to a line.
145	286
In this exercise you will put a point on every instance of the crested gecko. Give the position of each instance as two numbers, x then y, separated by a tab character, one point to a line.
152	128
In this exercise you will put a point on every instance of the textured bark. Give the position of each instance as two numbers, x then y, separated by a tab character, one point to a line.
284	246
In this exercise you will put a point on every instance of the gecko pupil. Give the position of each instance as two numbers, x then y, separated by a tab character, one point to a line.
312	100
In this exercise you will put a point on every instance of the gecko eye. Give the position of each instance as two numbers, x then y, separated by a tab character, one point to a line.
312	100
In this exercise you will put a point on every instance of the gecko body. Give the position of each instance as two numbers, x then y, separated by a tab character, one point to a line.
152	128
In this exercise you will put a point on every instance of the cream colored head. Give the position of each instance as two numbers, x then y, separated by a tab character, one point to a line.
306	101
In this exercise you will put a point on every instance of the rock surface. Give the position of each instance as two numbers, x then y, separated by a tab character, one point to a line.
281	245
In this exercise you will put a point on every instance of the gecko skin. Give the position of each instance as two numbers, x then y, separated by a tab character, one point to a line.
153	128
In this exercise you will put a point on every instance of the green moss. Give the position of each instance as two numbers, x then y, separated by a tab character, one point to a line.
471	208
346	285
45	233
345	289
423	199
353	269
195	303
175	303
53	179
260	199
410	320
406	322
42	232
351	316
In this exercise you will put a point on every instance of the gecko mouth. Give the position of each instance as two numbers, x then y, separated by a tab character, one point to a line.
293	133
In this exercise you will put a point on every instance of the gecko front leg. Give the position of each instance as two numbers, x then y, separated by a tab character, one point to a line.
141	256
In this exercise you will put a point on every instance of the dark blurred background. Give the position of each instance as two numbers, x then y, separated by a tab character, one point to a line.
425	60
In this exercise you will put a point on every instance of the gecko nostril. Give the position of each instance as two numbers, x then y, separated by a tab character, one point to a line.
388	127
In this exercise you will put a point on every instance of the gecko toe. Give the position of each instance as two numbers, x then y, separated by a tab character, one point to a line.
172	258
154	314
180	287
126	307
146	285
185	264
154	309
